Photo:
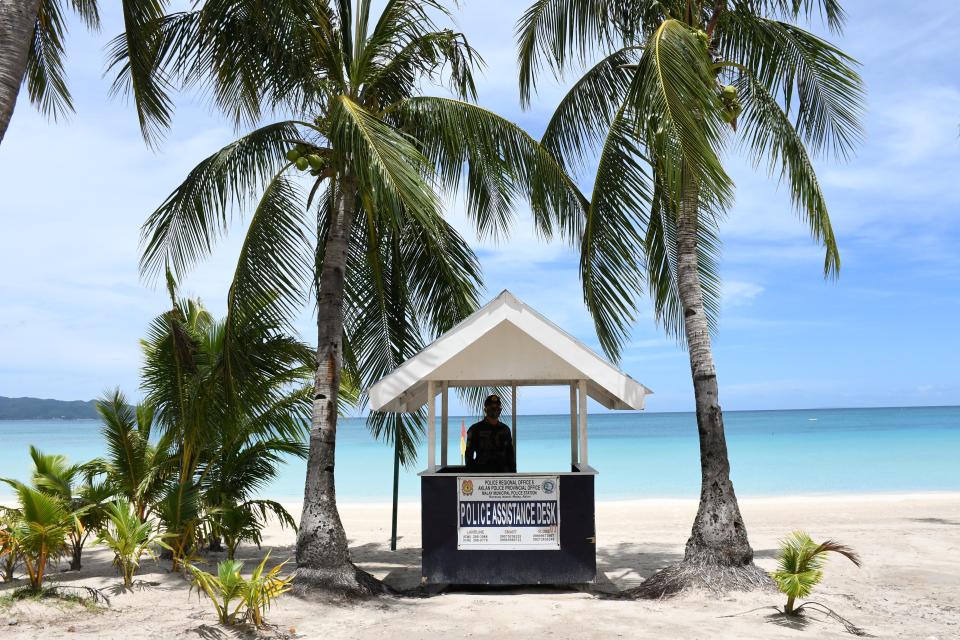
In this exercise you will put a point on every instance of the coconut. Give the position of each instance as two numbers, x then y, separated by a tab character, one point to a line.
292	155
730	92
315	161
302	163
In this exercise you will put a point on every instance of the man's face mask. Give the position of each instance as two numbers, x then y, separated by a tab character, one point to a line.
492	408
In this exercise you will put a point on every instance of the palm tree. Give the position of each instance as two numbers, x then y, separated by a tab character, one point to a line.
75	487
386	268
676	83
135	467
245	455
32	38
230	398
43	522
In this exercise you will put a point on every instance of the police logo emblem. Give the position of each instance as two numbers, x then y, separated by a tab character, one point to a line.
548	486
467	487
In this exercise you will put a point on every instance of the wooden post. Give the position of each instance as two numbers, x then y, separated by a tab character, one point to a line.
431	427
443	424
513	418
573	424
583	423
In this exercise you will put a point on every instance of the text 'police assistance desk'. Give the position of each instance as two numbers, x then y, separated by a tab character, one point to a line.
508	528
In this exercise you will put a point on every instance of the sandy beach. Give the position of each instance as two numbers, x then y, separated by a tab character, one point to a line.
908	587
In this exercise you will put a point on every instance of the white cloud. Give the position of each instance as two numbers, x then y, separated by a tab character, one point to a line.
737	293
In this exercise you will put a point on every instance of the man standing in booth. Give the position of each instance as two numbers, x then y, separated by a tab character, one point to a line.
489	443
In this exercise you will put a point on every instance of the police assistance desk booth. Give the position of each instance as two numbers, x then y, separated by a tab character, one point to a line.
506	528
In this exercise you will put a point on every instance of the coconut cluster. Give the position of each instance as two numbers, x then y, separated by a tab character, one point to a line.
302	157
731	103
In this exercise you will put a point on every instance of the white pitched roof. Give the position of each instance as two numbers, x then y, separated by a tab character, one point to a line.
505	342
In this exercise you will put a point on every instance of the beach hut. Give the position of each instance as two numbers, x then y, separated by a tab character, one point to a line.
530	527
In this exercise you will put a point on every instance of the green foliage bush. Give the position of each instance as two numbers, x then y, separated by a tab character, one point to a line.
253	595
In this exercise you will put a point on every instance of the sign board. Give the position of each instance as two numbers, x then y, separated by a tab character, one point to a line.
508	513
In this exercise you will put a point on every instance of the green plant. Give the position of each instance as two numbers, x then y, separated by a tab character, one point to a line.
72	484
41	530
137	464
255	594
244	521
800	563
222	589
129	537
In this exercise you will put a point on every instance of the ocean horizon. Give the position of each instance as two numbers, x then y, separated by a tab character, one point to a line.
637	454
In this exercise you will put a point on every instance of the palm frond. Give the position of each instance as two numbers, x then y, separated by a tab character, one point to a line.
406	46
677	101
586	112
126	446
767	132
139	56
611	246
45	74
561	32
185	227
274	263
816	82
831	11
498	162
389	168
832	546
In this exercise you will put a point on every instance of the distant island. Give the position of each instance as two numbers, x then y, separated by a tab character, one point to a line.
46	409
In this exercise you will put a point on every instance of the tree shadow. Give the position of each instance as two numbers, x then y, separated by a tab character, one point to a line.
943	521
797	623
138	585
211	632
626	565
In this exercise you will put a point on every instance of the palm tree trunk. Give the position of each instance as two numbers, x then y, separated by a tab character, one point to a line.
76	552
323	558
719	536
17	21
718	554
788	609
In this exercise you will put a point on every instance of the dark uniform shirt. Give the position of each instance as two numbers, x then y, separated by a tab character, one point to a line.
490	448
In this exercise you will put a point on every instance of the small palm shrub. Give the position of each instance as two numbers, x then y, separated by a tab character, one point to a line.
800	563
253	595
261	589
129	537
72	485
40	534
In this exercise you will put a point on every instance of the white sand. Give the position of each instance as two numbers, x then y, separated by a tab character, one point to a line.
909	586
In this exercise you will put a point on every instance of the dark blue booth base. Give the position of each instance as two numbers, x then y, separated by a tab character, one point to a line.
574	563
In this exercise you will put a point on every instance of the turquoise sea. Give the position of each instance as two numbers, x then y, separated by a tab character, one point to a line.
810	451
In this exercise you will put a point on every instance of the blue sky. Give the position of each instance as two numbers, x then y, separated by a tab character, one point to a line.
74	194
